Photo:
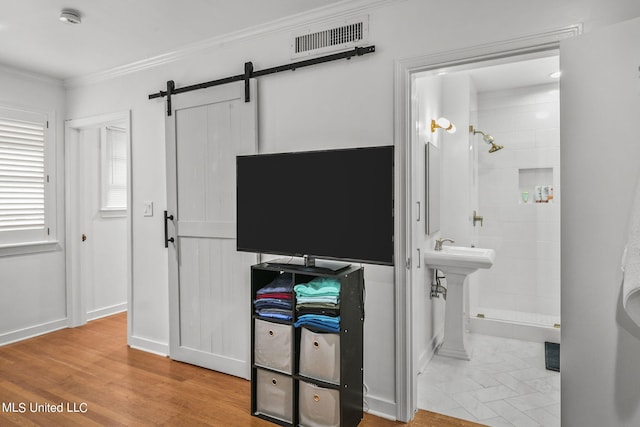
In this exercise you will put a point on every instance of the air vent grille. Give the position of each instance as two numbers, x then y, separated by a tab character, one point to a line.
333	39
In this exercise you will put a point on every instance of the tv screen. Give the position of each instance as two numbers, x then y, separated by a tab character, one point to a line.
335	204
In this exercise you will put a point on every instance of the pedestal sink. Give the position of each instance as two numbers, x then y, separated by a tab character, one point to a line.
457	263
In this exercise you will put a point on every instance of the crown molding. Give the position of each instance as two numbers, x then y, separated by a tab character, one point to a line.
31	75
342	9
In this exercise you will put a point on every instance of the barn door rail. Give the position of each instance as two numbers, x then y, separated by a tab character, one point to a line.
249	73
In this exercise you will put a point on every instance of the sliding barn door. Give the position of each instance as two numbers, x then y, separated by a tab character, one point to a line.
209	281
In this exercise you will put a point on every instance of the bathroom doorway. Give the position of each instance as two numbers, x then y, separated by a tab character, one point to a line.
505	192
416	342
500	189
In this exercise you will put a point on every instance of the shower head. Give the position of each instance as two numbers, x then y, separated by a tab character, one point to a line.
488	139
495	147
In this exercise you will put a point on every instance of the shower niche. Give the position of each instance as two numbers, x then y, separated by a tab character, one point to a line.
536	186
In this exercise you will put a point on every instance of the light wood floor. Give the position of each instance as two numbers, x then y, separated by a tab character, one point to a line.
91	369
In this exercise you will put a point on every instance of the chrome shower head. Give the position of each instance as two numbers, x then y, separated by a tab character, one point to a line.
488	139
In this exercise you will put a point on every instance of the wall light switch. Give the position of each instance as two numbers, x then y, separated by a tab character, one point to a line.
148	209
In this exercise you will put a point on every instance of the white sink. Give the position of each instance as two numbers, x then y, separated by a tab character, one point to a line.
457	263
460	259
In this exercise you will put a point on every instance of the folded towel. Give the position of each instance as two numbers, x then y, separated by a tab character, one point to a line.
303	309
273	303
282	283
315	300
320	305
277	295
319	322
275	313
320	286
631	263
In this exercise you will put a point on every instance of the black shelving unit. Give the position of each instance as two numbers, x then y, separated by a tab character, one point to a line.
276	391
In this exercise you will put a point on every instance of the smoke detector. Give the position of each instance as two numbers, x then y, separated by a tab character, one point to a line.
70	16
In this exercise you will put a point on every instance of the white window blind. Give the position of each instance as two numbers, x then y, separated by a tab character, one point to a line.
22	172
114	169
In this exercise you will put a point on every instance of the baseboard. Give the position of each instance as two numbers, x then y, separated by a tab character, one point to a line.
514	330
150	346
33	331
106	311
429	352
379	407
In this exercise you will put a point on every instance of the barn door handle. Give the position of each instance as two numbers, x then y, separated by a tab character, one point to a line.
167	239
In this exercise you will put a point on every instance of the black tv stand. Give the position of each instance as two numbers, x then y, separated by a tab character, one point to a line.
304	377
309	264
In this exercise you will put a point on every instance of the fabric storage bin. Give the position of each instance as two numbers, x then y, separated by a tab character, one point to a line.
272	345
318	406
274	395
320	355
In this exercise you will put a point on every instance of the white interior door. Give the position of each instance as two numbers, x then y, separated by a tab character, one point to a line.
103	242
209	283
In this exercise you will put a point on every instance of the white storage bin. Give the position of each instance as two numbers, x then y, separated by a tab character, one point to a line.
320	356
274	395
273	345
318	406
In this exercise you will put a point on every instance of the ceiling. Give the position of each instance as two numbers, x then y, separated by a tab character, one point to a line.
509	75
507	72
119	32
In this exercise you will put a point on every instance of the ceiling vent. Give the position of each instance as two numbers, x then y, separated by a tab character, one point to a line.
339	36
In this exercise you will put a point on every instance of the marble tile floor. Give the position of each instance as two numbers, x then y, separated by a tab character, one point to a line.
504	384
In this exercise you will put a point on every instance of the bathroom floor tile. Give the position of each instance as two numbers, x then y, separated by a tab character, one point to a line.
431	398
476	408
529	374
530	401
494	393
497	422
511	414
505	384
459	412
459	385
543	417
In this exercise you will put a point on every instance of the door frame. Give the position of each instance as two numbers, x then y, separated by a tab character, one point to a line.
406	359
76	304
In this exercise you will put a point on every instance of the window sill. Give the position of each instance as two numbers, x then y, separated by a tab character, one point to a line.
113	213
29	248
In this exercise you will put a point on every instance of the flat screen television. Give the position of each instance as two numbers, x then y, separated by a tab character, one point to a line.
333	204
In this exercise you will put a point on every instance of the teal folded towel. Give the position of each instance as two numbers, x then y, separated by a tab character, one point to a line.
318	287
317	300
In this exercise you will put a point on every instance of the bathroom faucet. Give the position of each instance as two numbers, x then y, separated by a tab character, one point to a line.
439	243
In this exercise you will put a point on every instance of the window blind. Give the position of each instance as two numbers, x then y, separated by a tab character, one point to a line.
22	175
114	170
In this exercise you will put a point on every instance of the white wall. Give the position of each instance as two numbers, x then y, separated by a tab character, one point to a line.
332	105
456	209
526	236
600	351
32	286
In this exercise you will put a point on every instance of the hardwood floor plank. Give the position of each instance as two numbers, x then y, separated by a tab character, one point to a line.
92	365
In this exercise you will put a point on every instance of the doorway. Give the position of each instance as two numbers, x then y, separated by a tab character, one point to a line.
98	217
414	305
507	146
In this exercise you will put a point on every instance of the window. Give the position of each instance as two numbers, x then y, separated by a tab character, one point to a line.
113	153
24	180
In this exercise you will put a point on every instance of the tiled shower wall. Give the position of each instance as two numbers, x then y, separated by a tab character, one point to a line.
526	236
